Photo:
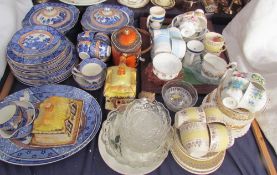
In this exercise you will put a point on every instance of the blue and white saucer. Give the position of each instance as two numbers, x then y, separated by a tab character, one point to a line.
106	18
61	16
13	153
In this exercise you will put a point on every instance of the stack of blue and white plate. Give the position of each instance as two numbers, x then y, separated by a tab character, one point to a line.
40	55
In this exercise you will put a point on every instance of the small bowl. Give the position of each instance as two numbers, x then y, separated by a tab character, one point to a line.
178	94
166	66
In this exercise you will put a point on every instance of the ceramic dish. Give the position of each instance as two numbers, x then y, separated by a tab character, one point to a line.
166	66
106	18
82	2
23	155
58	15
170	4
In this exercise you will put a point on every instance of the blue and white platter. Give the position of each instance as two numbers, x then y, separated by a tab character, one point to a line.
106	18
61	16
14	153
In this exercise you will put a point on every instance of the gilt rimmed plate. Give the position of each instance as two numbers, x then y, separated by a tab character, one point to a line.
61	16
107	18
14	154
35	39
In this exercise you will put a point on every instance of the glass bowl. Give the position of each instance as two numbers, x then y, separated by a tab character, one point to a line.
145	126
178	94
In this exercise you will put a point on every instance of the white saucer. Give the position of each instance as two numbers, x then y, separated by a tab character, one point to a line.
121	168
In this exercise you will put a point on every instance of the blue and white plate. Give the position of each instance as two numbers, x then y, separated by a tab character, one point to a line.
59	76
44	69
106	18
21	155
35	39
61	16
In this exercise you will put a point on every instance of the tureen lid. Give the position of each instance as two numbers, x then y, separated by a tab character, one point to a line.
106	18
126	39
58	15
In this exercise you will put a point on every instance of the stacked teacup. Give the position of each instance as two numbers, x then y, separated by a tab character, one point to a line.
239	97
16	120
94	45
200	139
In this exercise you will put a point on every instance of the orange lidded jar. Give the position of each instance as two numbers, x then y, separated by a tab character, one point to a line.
126	46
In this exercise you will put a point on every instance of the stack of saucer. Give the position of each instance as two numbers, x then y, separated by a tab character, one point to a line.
40	55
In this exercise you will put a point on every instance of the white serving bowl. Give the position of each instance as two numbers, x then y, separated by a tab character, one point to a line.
166	66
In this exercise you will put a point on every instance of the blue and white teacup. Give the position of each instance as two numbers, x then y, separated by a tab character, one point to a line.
102	37
85	36
83	49
100	49
89	72
10	116
24	129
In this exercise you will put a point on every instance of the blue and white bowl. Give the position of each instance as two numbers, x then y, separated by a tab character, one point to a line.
61	16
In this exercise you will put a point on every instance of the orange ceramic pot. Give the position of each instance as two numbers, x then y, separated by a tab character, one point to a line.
126	46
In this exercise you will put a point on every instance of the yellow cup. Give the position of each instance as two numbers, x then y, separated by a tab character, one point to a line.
213	114
192	114
214	42
220	137
195	138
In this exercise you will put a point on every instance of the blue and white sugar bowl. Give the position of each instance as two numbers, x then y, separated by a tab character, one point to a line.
100	49
90	74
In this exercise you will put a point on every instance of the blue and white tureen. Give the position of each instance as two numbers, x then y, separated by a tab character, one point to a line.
61	16
107	18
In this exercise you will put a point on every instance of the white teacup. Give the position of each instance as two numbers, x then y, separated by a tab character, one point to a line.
178	48
254	98
194	50
156	17
213	66
162	42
